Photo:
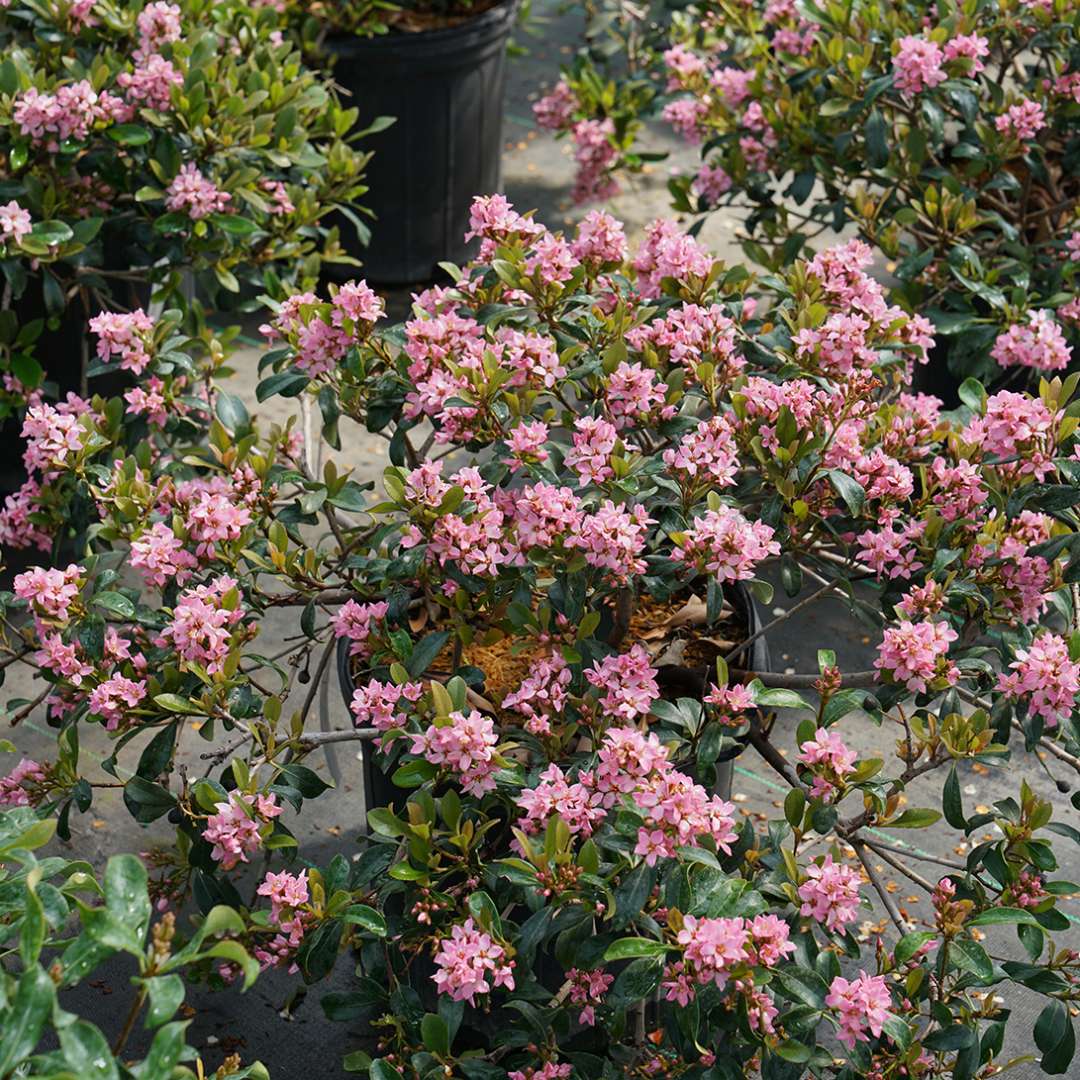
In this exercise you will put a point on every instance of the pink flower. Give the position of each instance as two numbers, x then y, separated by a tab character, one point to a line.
594	441
708	454
577	804
49	591
970	47
916	654
14	222
201	626
1040	344
151	83
50	119
712	947
551	260
667	252
595	154
588	988
190	191
731	703
355	622
1015	426
613	539
159	555
601	239
234	830
357	301
1045	677
115	698
830	894
467	960
725	544
22	786
52	437
711	182
465	744
542	694
124	334
628	682
526	443
685	115
829	758
862	1004
1022	121
376	704
555	110
918	65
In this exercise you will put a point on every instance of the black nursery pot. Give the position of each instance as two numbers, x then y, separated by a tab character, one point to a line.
674	681
445	87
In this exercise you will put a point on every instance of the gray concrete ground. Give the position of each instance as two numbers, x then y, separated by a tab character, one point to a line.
292	1038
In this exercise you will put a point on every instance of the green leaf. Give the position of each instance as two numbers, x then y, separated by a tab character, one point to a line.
951	802
627	948
794	805
115	602
778	698
910	944
126	896
232	413
367	917
971	956
86	1051
849	489
1056	1038
285	383
1000	916
436	1034
166	996
915	819
164	1053
177	704
23	1019
383	1070
129	134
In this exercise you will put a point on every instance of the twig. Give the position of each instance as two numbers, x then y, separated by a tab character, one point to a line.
878	844
896	864
860	679
321	738
826	588
24	712
890	905
760	742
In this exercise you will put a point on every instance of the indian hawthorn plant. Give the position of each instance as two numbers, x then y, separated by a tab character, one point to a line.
173	148
592	456
947	136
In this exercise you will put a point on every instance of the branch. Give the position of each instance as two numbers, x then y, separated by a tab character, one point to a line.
860	679
320	738
806	602
890	905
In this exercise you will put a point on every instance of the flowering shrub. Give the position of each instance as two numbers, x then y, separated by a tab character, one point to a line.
42	897
945	136
145	140
594	458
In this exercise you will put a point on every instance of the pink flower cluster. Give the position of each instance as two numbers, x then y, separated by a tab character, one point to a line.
830	894
49	591
202	625
1045	677
467	960
287	894
14	222
613	538
918	65
160	556
587	989
379	705
68	113
465	744
628	684
234	830
830	760
916	654
725	544
707	455
861	1004
1040	344
191	192
730	703
1022	121
358	622
115	698
542	694
23	785
667	252
714	948
128	335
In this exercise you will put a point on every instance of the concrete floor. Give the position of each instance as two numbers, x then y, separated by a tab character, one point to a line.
537	174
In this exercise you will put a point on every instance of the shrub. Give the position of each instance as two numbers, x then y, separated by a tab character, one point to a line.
166	148
947	137
63	923
545	615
